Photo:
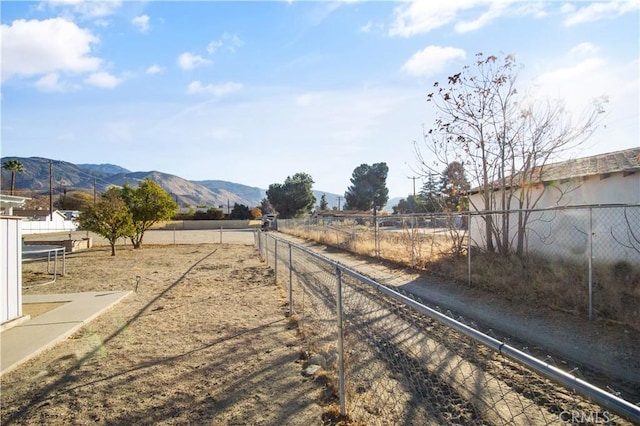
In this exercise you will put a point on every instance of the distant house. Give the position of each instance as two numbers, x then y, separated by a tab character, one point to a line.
10	202
605	179
42	221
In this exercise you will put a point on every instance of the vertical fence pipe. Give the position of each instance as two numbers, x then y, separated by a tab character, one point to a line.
221	235
290	281
275	259
266	248
174	235
341	384
469	249
413	243
590	263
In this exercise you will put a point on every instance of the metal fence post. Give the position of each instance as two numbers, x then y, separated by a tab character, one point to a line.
590	263
266	248
275	259
413	243
290	282
221	235
469	249
341	383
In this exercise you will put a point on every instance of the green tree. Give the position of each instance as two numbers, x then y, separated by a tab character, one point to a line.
368	188
266	207
76	200
324	205
13	166
109	218
294	198
430	195
149	204
454	187
240	212
409	205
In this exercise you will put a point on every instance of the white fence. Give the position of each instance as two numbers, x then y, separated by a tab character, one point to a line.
45	227
10	268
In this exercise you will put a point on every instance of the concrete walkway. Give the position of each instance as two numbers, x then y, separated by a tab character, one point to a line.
29	338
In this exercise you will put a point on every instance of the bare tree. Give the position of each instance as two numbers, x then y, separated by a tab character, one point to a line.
504	139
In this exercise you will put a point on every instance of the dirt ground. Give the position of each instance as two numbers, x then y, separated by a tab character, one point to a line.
204	340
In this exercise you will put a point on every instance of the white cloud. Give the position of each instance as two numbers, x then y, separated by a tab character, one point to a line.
51	83
103	79
597	11
229	41
583	49
431	60
195	87
366	27
421	16
154	69
188	61
307	99
85	9
141	23
40	47
495	11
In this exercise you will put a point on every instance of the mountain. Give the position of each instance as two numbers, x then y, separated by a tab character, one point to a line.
87	177
251	194
110	169
65	175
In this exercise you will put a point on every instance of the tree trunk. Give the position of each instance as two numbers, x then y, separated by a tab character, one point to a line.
113	248
13	181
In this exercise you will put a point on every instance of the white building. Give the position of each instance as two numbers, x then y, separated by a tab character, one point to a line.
585	205
42	221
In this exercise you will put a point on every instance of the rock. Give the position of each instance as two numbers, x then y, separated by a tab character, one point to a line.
311	370
318	359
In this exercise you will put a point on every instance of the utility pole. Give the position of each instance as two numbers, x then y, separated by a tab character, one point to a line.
51	190
339	198
413	203
414	184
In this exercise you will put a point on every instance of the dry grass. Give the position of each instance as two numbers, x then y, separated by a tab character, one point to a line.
536	281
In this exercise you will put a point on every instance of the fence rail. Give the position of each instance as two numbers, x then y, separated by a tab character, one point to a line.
589	254
392	360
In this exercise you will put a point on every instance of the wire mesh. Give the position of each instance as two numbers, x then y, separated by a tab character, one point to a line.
405	367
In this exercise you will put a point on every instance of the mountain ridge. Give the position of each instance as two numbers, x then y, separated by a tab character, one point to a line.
89	177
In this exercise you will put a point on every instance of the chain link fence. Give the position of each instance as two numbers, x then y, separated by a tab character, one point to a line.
389	359
585	259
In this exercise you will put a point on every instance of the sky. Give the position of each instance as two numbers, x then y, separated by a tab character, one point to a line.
253	92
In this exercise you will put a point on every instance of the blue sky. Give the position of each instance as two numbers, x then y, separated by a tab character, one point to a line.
252	92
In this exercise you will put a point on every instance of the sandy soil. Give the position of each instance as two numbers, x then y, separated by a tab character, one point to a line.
204	340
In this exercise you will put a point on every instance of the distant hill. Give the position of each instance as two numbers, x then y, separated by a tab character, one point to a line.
68	177
251	194
110	169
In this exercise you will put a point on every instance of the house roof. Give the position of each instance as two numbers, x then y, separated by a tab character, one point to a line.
12	200
35	213
627	160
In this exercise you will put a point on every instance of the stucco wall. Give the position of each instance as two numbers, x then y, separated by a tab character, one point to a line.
565	231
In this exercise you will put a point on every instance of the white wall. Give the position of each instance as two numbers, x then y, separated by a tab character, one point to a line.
565	232
40	227
10	268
